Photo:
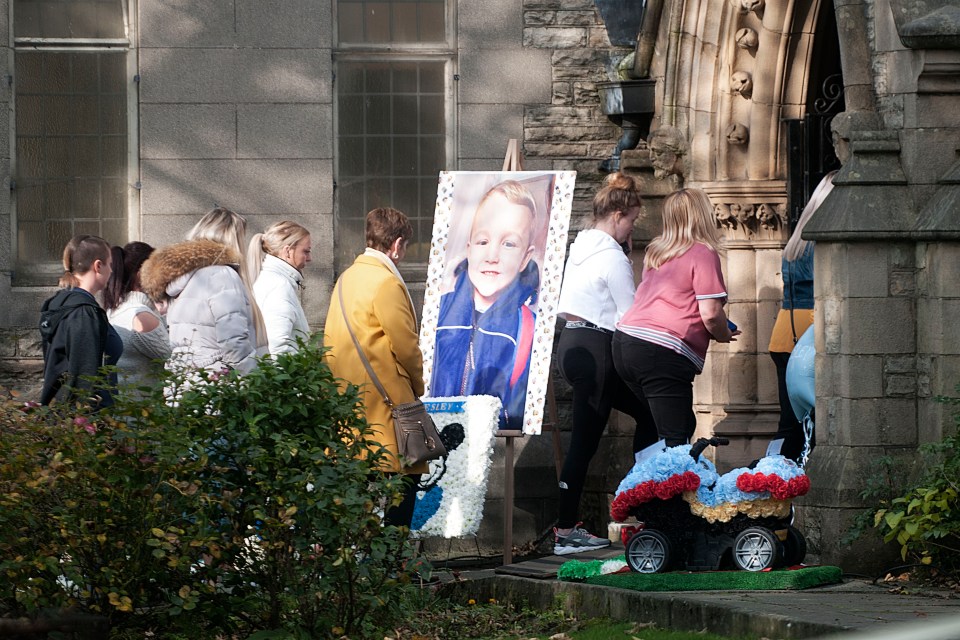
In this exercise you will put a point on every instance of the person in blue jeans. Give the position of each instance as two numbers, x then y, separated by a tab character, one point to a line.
485	327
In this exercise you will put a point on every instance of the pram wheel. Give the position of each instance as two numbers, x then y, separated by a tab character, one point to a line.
756	549
648	551
794	547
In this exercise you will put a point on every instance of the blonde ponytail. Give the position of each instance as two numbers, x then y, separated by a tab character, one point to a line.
255	255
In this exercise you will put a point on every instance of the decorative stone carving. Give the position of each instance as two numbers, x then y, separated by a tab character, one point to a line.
747	38
746	6
743	213
765	218
771	215
724	217
737	134
741	83
668	152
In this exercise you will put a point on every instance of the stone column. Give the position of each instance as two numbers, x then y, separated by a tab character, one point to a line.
855	54
865	287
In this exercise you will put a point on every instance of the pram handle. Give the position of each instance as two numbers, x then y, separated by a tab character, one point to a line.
703	443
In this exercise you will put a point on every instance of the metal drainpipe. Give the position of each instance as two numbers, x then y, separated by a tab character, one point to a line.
647	39
669	116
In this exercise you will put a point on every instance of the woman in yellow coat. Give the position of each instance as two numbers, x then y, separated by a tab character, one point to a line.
382	318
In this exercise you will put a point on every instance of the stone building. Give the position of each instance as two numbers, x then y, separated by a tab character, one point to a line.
131	118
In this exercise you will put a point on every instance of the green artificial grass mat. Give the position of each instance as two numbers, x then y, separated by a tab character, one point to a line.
775	580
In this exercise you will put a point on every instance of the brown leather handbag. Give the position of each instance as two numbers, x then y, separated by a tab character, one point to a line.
417	437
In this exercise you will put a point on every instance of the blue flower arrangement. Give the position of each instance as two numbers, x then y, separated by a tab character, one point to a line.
666	464
714	489
426	507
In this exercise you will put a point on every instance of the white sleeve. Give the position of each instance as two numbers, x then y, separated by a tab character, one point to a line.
279	321
621	285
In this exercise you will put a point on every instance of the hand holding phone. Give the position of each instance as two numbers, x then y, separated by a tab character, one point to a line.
734	332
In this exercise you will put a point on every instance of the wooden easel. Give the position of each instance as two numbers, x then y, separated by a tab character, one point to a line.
513	161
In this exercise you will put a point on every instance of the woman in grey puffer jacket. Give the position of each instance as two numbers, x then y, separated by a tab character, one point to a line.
211	315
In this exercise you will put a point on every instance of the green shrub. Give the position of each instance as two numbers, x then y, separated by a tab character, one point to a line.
252	504
925	520
85	501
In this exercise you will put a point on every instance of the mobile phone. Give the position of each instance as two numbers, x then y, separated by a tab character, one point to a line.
732	326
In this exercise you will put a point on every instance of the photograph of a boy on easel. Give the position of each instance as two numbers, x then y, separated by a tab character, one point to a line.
488	319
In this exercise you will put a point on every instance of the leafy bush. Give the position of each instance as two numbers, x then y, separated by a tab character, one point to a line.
925	520
880	487
253	503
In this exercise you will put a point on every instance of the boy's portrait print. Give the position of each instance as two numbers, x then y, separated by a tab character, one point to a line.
493	281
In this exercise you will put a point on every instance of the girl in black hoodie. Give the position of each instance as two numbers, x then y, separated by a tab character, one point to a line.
77	337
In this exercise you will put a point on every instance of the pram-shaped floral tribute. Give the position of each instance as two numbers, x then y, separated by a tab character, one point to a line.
693	518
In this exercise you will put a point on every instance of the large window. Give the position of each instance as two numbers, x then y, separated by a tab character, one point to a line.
393	87
71	139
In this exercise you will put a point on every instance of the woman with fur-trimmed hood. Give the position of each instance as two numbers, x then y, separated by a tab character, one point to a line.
211	317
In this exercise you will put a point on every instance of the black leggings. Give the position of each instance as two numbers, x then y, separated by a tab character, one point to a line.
663	380
586	362
789	429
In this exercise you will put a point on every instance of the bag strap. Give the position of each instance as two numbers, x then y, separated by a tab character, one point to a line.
356	343
793	302
524	344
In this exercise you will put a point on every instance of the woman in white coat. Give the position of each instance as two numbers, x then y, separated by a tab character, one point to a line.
275	260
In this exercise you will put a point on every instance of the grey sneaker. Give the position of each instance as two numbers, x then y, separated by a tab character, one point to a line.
578	540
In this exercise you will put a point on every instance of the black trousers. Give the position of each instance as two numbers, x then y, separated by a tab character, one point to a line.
663	380
789	428
586	362
401	515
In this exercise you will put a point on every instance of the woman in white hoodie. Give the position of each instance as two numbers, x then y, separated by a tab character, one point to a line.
597	289
276	259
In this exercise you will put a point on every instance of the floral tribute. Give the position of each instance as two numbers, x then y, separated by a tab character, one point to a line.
666	474
451	505
766	490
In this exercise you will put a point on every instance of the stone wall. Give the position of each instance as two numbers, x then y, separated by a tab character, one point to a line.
236	109
21	361
571	133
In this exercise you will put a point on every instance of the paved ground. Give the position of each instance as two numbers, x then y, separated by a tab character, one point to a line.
874	610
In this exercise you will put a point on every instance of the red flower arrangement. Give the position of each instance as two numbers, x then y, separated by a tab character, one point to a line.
676	484
778	487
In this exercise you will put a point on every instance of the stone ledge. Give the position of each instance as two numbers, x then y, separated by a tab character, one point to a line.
687	611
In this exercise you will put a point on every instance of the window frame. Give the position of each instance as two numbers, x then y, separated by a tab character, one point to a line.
445	52
447	46
45	273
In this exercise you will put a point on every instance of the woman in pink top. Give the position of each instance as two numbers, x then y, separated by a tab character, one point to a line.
661	341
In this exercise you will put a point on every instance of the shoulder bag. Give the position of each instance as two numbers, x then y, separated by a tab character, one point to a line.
417	436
